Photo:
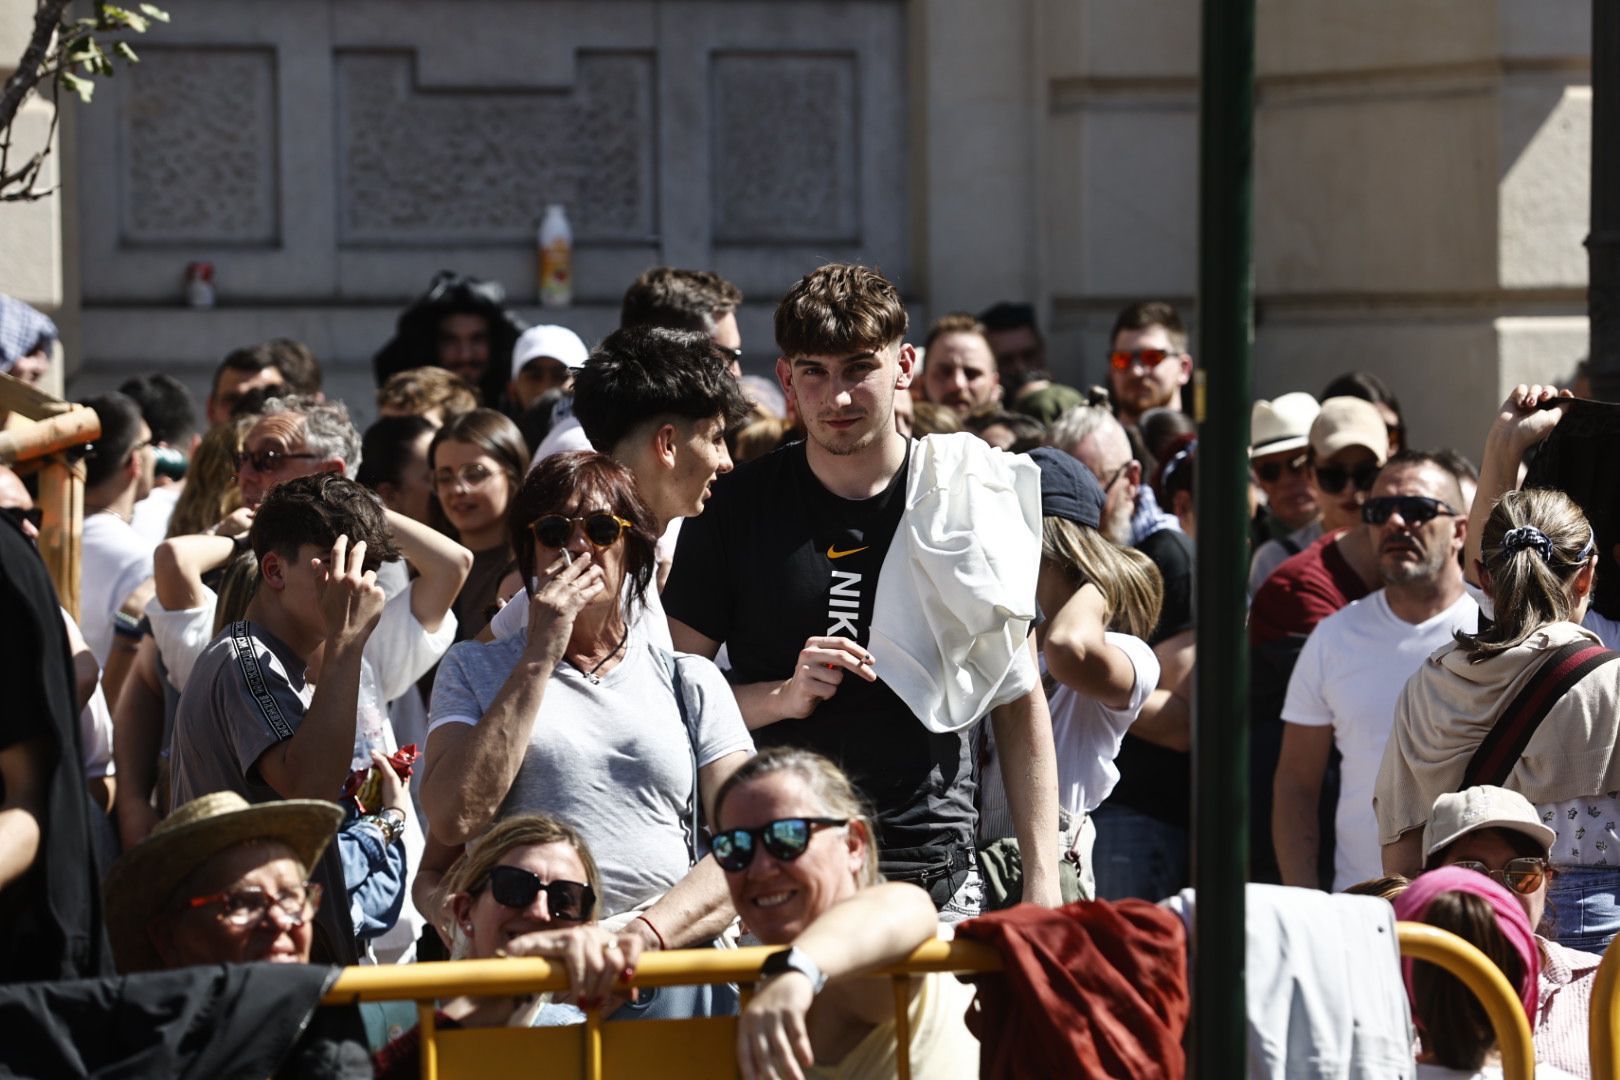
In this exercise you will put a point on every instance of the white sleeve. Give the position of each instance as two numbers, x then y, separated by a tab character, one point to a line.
95	736
1305	704
401	650
713	706
513	616
1145	662
182	635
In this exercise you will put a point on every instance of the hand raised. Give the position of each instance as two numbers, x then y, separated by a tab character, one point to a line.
556	597
351	600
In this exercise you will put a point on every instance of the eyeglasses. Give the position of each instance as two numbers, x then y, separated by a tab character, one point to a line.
602	529
1270	472
248	906
1145	358
1114	479
1524	876
567	901
1414	509
269	462
1332	478
472	477
734	354
784	838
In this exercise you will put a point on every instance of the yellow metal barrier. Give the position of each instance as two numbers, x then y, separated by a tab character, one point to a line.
1605	1020
1486	981
704	1047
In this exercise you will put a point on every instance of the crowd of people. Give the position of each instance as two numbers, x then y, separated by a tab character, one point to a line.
583	652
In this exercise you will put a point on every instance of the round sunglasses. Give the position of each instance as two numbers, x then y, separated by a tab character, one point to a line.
785	838
1523	876
602	529
1332	478
568	901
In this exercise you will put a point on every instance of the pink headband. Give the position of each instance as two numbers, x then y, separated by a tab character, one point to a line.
1414	903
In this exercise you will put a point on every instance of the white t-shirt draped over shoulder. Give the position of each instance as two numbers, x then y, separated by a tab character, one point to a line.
1086	735
1349	677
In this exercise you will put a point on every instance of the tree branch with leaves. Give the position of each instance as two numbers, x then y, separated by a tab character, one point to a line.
62	53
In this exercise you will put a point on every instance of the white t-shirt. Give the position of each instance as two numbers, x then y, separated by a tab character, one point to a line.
152	514
114	560
566	435
1349	676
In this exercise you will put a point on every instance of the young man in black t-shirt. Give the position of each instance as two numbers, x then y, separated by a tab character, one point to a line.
782	568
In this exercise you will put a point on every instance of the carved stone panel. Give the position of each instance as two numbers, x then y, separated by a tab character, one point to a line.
421	165
784	148
199	147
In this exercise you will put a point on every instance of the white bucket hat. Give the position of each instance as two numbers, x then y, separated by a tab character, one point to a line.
1281	424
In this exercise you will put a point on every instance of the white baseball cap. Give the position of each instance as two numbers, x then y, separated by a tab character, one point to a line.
1281	424
557	342
1457	813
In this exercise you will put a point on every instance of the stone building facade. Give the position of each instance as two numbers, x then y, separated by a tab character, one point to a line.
1420	197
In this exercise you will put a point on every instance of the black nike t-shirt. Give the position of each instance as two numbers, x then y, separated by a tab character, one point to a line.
776	558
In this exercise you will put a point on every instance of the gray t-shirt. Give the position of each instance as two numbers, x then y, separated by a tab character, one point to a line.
609	757
246	693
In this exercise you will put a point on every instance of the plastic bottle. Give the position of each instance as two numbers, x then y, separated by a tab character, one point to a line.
556	242
200	285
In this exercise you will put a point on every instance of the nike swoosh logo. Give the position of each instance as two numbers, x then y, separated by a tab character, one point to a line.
833	553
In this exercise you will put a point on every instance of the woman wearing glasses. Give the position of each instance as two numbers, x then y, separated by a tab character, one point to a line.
581	717
797	847
1530	703
1498	833
477	461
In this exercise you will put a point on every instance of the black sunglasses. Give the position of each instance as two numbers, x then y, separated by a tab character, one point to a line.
601	529
784	838
1332	478
569	901
268	461
1414	509
1270	472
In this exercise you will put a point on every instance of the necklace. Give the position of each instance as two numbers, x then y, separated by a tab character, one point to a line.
591	675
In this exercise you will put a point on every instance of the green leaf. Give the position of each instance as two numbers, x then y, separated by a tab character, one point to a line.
83	87
123	49
114	17
155	13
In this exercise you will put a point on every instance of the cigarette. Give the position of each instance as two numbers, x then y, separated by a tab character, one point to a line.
568	558
534	585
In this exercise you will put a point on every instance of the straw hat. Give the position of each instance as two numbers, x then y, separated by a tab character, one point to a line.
144	876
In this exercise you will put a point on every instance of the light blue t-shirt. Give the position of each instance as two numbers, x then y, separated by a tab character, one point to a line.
610	756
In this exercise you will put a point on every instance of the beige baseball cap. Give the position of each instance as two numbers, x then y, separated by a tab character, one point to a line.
1457	813
1284	423
1349	421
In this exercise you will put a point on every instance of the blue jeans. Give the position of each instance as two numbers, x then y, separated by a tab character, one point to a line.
1582	907
1137	855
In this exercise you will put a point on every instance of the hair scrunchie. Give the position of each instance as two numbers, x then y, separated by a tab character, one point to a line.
1528	536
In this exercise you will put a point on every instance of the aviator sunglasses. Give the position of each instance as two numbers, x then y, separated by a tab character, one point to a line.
1270	472
1332	478
602	529
568	901
1523	876
785	838
1414	509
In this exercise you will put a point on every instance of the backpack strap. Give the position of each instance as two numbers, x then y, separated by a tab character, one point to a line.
694	833
1504	744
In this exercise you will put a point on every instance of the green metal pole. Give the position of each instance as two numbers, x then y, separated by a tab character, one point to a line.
1225	339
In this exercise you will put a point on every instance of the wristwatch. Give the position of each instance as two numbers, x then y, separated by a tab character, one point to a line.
794	959
390	822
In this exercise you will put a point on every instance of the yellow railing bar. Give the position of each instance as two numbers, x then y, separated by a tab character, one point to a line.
1486	982
1606	1017
678	967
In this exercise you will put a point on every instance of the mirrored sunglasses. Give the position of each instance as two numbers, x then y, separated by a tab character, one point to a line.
601	529
1147	358
785	838
1523	876
514	887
